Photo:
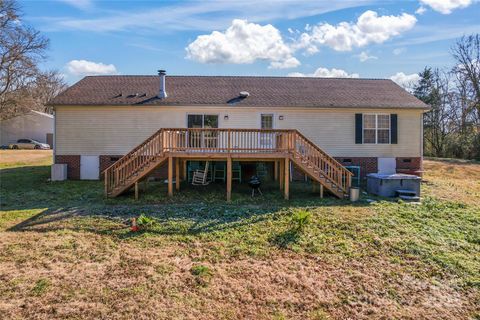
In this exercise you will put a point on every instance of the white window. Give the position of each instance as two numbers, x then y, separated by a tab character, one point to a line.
376	128
266	121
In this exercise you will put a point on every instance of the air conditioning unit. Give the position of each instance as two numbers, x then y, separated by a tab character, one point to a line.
59	172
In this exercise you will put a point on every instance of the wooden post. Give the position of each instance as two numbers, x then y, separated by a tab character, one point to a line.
281	172
321	191
145	184
275	170
106	182
287	179
177	174
229	179
136	190
170	176
184	169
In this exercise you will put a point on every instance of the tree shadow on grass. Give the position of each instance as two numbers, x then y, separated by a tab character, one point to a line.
191	211
287	238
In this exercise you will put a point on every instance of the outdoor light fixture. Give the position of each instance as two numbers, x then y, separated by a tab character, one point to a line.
280	117
225	117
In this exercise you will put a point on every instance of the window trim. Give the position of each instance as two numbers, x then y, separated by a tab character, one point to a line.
203	118
268	114
377	128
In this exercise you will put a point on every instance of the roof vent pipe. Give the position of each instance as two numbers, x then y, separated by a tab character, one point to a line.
162	94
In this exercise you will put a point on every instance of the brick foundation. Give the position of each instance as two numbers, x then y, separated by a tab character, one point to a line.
107	161
367	164
409	165
73	165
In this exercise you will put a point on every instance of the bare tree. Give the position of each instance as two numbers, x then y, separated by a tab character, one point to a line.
23	86
433	88
467	69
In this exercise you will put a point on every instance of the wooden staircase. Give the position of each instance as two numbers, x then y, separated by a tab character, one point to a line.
321	167
135	165
223	143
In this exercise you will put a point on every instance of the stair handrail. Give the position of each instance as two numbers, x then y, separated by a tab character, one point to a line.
115	173
344	172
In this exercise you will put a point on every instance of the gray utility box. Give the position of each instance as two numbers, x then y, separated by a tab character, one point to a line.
386	185
59	172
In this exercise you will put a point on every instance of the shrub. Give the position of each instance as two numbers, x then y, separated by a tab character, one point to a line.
300	219
145	221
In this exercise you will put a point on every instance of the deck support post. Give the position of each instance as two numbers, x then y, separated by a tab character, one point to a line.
275	170
229	179
170	176
136	190
184	169
287	179
105	175
281	174
177	174
321	191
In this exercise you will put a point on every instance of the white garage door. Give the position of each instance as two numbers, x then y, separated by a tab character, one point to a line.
89	167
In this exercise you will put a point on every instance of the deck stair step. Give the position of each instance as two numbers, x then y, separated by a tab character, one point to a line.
407	195
409	198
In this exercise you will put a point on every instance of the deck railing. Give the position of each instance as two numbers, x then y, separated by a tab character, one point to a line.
224	141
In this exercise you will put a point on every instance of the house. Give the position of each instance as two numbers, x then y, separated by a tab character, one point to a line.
31	125
128	126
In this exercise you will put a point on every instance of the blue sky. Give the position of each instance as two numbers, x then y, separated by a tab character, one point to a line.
362	38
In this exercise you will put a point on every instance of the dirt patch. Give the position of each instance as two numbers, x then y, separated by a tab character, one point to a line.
83	275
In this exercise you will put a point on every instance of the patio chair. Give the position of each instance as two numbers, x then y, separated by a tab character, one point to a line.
236	172
219	171
200	176
191	168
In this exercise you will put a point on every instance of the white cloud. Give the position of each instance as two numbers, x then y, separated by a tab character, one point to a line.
399	51
369	28
446	6
363	56
326	73
421	10
80	4
89	68
242	43
407	81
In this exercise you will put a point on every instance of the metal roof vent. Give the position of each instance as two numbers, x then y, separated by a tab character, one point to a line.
244	94
162	93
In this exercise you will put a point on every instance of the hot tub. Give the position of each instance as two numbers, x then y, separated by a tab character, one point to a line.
387	185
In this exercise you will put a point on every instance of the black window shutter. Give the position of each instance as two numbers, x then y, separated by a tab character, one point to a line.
393	129
358	128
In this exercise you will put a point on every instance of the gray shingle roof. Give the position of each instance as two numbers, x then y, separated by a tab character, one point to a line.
224	90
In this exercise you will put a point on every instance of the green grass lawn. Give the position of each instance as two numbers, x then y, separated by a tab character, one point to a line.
66	252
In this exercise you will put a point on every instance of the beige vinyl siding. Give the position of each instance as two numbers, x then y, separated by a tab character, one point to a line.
116	130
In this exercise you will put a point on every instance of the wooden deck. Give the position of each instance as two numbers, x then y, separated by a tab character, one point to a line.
180	144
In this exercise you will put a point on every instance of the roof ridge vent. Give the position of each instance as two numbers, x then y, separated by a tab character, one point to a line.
244	94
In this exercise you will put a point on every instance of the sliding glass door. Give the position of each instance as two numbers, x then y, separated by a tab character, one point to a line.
202	139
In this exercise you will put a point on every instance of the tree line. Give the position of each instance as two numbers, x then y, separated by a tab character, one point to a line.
452	126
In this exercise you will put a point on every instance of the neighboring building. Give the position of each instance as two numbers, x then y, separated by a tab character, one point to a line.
34	125
372	123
